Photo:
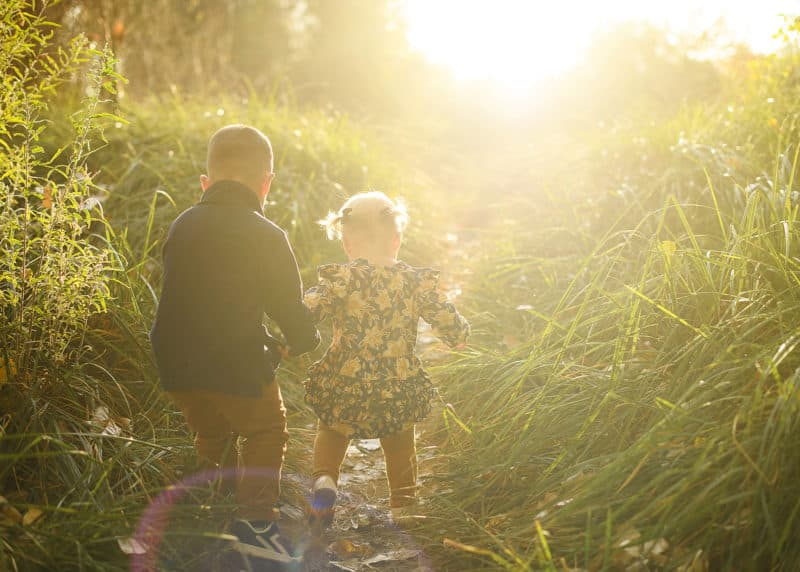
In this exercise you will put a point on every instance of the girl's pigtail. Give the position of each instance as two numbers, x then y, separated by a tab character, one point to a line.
332	225
400	214
396	216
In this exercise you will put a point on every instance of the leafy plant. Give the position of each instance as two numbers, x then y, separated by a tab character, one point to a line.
52	276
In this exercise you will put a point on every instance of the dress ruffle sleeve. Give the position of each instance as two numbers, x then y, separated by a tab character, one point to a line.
450	326
323	299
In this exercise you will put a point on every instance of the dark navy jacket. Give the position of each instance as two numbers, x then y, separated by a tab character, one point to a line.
225	266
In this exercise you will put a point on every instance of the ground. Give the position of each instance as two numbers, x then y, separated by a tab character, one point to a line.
363	536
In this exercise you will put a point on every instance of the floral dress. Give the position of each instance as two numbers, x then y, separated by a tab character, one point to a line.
370	379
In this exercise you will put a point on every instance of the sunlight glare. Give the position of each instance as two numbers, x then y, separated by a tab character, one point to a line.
516	44
512	43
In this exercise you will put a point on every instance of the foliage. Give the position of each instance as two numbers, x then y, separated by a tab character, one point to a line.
639	400
167	44
56	277
351	52
51	278
630	397
87	440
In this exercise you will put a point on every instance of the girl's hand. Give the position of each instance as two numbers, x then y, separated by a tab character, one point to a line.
284	352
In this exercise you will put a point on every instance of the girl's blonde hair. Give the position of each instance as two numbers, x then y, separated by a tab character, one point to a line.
370	215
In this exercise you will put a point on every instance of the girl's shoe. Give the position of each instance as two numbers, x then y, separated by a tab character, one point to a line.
322	501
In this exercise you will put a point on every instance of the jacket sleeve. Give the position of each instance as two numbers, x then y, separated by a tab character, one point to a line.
323	299
285	299
439	312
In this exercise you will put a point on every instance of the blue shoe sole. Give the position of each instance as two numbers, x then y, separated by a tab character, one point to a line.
321	513
324	499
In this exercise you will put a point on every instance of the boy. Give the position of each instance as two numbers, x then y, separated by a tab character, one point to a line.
225	266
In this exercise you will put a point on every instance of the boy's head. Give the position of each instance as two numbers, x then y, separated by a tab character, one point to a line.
370	226
239	153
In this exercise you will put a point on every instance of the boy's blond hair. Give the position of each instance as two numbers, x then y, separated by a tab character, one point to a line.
241	153
369	216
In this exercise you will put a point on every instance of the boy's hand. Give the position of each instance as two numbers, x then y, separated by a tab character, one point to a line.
284	352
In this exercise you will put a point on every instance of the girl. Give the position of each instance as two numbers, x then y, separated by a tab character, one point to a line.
370	383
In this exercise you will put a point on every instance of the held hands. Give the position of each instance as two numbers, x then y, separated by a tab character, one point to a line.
286	353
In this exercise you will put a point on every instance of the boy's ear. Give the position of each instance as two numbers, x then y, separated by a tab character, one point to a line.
264	190
205	182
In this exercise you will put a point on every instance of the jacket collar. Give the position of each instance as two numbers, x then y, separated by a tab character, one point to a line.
227	192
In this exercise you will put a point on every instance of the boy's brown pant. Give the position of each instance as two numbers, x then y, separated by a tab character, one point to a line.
399	450
261	421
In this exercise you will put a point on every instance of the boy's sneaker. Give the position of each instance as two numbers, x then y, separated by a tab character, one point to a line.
262	547
323	499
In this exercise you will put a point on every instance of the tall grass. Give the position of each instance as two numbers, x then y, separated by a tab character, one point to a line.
631	394
639	411
87	440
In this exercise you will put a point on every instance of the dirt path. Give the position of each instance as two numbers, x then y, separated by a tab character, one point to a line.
363	536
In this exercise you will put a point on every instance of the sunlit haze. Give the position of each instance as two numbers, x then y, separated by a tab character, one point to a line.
516	43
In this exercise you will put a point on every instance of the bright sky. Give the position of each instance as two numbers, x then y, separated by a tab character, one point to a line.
517	42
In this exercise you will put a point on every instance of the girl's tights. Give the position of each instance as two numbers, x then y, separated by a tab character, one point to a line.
399	450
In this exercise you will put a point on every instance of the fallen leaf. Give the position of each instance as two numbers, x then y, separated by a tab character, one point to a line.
344	548
659	546
101	419
5	520
12	514
369	444
100	416
112	429
361	467
31	516
129	545
360	520
393	556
